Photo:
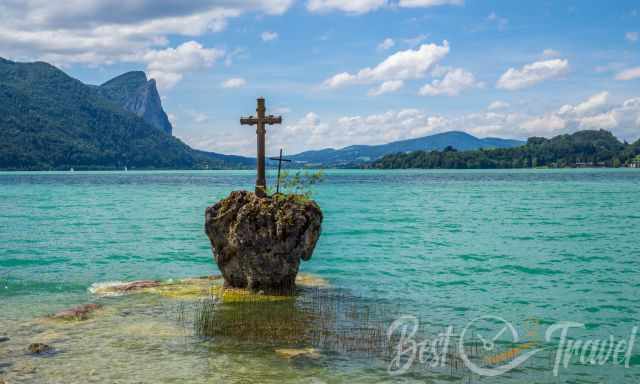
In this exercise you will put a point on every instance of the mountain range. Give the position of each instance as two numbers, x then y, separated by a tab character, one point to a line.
51	121
357	154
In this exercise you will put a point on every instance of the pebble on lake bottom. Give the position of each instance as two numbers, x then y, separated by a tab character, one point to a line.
39	348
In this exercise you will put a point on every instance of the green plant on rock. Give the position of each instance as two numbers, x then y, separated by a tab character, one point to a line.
298	185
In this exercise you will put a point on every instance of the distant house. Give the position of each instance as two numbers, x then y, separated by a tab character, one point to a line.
590	165
635	163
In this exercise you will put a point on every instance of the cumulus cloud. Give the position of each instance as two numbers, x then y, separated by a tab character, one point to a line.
364	6
543	125
350	6
591	105
167	66
312	132
498	104
403	65
453	82
631	37
386	87
532	74
97	32
386	44
628	74
236	82
269	36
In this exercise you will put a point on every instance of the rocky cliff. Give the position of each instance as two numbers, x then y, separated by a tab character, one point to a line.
138	95
258	242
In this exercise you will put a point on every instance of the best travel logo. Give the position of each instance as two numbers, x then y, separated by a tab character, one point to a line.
491	346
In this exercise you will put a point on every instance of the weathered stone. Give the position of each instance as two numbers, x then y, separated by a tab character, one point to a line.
3	339
39	348
258	242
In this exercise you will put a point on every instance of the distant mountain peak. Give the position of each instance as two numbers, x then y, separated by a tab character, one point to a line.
136	78
140	96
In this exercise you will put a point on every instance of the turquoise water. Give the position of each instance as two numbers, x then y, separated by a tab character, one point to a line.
447	246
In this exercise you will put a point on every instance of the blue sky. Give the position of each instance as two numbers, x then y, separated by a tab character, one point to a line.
352	72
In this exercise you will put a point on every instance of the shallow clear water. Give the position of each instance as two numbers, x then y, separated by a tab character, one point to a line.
447	246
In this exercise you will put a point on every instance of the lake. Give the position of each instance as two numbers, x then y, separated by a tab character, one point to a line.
532	247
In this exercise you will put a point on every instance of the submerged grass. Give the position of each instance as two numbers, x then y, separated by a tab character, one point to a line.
313	317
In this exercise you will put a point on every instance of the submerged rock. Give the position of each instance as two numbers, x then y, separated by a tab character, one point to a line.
293	353
200	288
39	349
258	242
78	313
118	288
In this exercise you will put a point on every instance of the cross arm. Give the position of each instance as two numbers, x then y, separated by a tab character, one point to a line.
248	120
273	120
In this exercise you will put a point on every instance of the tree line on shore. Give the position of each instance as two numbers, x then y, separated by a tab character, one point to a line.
580	149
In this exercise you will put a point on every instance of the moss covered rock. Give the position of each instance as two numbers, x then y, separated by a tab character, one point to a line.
258	242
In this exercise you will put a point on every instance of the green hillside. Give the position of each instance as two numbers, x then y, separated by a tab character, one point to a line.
583	148
49	120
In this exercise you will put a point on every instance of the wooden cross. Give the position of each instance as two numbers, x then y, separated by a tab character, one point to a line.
260	121
279	160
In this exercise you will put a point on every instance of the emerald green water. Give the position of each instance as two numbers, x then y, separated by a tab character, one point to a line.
447	246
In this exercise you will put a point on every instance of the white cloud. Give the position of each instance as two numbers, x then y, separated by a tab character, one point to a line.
167	66
386	44
454	82
350	6
632	37
236	82
311	132
269	36
543	125
403	65
550	53
591	105
364	6
532	74
498	104
629	74
601	121
428	3
98	32
387	86
440	70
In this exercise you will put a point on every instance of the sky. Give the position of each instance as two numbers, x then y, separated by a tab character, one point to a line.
344	72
